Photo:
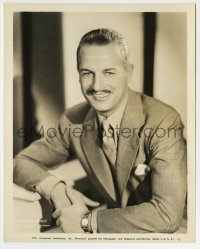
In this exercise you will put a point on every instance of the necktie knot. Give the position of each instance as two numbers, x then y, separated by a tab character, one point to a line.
107	131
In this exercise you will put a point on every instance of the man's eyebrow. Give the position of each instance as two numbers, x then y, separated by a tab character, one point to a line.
110	69
106	69
85	69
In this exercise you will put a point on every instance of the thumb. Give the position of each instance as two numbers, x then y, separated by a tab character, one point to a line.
88	201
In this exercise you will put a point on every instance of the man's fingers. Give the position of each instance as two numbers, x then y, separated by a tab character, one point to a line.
72	196
77	197
58	223
56	213
89	202
63	202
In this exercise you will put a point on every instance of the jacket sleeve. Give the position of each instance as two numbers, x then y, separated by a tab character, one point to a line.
31	164
163	212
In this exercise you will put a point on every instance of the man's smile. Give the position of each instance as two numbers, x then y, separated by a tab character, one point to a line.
101	95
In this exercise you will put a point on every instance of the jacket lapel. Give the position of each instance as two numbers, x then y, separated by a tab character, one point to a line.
91	145
132	121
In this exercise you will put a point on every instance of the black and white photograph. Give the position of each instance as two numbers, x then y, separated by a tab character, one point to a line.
102	112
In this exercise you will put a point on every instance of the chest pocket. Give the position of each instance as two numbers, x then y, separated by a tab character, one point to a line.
139	185
140	174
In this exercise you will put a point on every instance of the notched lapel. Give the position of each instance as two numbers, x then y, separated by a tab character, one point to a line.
91	145
133	119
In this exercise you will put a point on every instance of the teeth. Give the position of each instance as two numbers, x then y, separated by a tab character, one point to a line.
101	95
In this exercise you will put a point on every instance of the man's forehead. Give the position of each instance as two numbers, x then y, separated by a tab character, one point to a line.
100	54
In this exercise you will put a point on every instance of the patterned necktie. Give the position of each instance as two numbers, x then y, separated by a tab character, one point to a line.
109	146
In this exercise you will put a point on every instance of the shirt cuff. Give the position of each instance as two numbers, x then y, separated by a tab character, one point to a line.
94	221
46	186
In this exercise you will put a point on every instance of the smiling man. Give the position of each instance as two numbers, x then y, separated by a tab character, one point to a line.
104	76
131	147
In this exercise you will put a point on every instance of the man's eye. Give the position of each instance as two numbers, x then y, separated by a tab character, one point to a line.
109	73
86	74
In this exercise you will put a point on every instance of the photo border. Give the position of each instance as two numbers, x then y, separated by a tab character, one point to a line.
9	9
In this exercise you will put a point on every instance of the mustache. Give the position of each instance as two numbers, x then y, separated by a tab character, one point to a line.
92	91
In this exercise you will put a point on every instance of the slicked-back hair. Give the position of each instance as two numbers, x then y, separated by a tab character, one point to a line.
103	37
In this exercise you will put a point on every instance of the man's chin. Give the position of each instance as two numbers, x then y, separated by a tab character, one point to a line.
101	108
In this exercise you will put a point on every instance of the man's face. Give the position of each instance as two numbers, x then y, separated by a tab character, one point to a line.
103	76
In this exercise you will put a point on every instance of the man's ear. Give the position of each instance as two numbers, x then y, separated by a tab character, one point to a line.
130	68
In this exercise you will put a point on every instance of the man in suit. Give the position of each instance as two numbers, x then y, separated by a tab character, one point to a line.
130	145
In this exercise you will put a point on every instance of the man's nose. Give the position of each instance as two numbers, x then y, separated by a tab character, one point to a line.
97	83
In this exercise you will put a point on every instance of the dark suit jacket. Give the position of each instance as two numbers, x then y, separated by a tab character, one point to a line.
151	202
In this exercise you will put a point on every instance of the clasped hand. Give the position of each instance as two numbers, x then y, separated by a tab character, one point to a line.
69	214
